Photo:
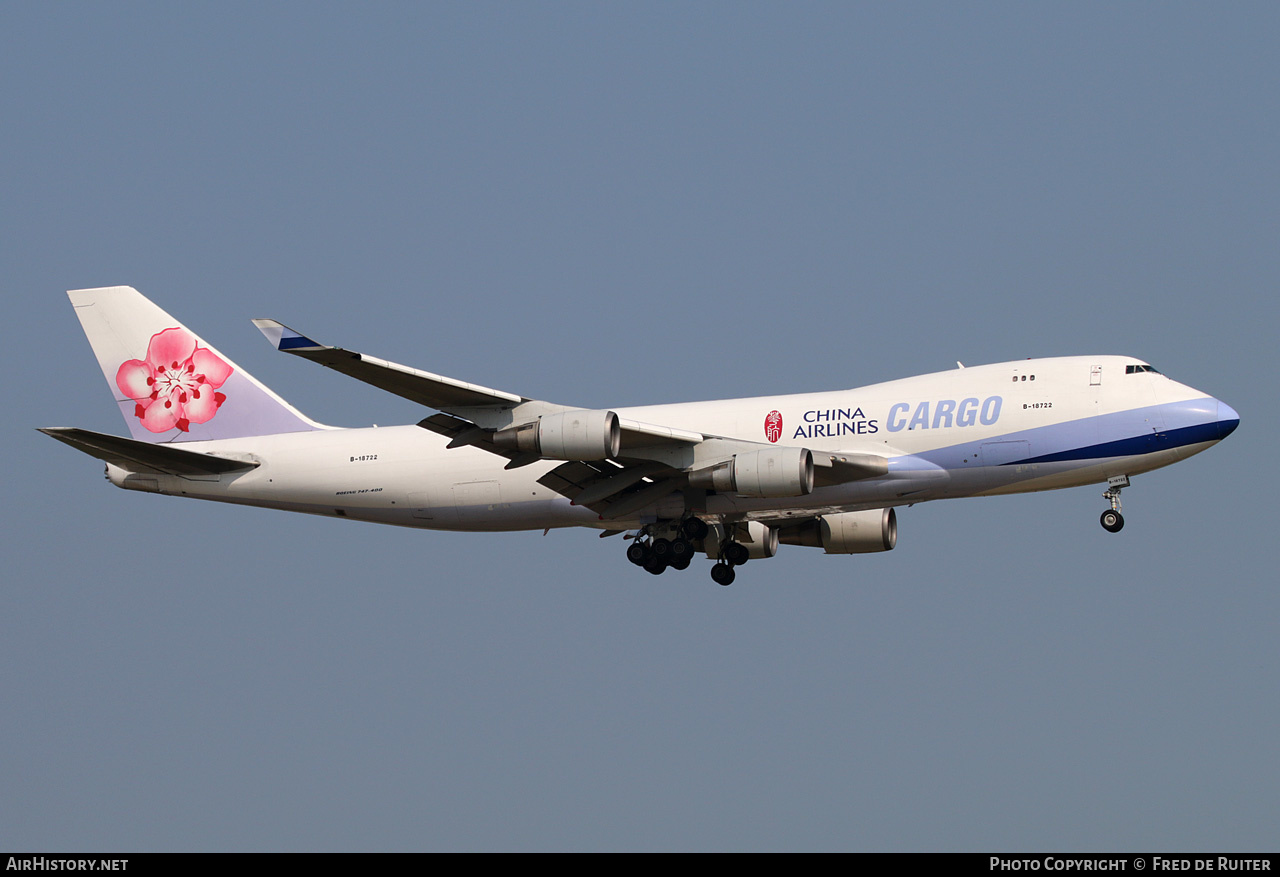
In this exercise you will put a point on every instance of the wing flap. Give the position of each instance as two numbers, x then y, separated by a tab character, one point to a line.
570	479
611	489
462	433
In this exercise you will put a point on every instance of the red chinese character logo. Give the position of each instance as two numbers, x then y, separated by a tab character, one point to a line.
773	426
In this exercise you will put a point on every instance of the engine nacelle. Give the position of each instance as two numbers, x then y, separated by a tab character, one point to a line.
760	540
846	533
767	473
859	532
570	435
764	540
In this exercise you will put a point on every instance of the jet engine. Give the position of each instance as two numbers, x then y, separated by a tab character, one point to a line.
759	540
764	540
847	532
767	473
570	435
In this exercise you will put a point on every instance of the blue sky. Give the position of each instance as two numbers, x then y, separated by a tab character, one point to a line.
620	204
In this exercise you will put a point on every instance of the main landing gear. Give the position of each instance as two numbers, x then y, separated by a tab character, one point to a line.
722	574
1112	520
671	545
655	553
731	554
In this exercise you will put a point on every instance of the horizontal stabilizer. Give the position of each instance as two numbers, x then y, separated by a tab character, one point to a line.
136	456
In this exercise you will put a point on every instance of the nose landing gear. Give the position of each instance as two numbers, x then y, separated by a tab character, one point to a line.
1112	520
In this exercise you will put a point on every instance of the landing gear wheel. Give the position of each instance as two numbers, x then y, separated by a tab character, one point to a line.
638	553
681	562
736	553
723	574
657	566
661	548
694	528
1112	520
680	549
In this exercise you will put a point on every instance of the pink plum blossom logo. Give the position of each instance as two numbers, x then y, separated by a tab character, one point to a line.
175	387
773	426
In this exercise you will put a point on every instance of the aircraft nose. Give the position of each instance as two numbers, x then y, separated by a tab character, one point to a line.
1228	420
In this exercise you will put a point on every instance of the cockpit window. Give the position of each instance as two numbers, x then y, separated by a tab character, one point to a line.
1137	369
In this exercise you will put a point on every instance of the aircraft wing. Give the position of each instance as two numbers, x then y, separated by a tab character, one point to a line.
147	457
462	432
652	460
617	488
479	407
425	388
613	489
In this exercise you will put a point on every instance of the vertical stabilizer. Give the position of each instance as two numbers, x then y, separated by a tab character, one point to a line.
170	384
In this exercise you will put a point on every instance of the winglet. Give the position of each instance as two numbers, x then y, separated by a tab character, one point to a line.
284	338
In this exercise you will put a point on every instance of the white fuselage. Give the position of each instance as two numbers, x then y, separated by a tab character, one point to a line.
1029	425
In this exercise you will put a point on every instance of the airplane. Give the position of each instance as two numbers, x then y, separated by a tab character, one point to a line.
732	478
